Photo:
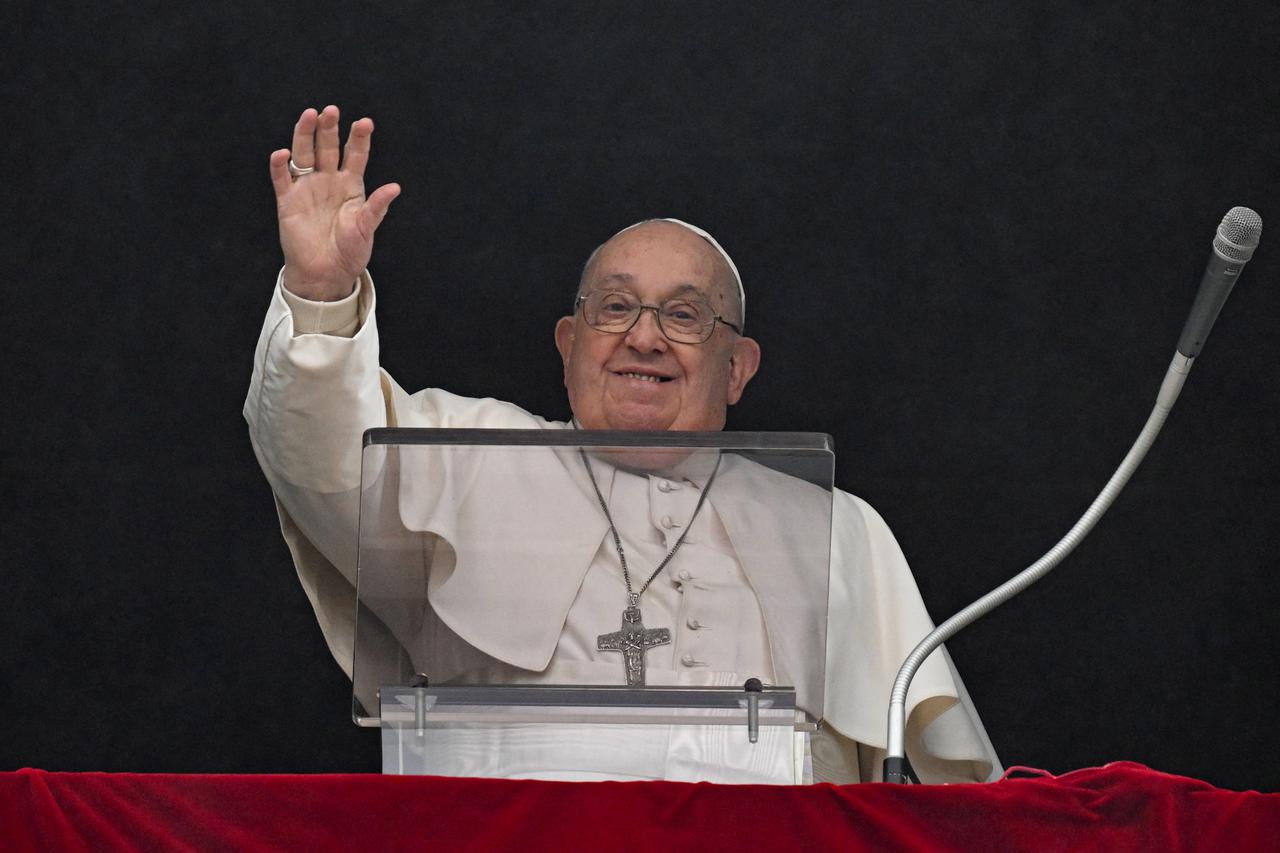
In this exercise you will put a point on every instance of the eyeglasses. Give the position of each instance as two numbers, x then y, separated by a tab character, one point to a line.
682	319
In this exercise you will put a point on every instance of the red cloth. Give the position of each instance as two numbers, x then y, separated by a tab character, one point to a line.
1122	806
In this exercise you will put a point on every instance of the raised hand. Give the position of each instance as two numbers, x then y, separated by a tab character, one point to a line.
326	222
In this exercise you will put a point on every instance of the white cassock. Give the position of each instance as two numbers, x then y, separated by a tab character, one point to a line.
317	387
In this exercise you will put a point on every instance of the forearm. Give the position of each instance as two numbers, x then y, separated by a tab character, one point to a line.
315	390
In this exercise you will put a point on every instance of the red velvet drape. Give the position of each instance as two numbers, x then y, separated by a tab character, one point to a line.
1122	806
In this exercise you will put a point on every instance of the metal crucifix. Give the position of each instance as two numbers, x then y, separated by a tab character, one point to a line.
633	640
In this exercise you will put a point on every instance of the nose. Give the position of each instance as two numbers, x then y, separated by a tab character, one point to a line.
645	335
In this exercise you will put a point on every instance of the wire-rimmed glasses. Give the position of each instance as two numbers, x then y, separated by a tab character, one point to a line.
682	319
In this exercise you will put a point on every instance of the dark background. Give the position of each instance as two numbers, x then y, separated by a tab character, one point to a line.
969	232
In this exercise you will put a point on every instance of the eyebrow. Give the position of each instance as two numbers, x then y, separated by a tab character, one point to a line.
628	278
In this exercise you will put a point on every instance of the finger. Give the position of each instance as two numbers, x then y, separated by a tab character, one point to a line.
356	155
327	140
280	177
375	207
304	139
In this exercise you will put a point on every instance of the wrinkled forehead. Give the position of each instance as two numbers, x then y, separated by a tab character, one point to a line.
733	287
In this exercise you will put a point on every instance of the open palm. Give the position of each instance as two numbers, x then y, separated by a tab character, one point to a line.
326	221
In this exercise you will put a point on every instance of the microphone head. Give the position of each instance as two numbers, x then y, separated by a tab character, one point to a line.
1238	234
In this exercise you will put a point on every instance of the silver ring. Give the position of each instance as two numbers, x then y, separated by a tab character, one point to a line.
296	171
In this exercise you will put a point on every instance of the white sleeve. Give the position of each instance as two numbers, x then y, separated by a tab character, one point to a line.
342	317
313	395
876	618
316	388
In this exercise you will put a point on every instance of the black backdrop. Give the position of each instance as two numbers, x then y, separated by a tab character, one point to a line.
969	232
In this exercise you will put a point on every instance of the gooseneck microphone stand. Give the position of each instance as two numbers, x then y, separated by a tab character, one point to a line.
1233	245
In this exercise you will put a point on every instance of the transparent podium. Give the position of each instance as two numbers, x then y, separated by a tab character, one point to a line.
582	605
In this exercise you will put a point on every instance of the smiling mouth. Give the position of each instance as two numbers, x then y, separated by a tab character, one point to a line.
643	376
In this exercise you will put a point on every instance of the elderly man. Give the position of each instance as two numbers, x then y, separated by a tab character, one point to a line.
317	386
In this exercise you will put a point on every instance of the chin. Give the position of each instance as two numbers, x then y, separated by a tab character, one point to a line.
662	423
645	419
650	424
646	422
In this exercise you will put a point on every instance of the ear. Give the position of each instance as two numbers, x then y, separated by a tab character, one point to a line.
564	339
743	364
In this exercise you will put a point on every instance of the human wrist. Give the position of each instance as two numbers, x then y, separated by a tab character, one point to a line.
317	290
339	318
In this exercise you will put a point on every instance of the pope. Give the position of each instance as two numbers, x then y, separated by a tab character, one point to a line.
655	341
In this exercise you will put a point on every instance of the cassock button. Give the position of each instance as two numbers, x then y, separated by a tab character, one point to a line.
685	575
665	486
688	659
668	522
694	624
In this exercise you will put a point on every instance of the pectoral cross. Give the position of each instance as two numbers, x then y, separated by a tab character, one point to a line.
633	641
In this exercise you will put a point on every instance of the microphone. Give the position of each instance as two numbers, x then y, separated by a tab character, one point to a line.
1233	246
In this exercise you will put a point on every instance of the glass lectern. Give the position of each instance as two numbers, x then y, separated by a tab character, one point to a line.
573	604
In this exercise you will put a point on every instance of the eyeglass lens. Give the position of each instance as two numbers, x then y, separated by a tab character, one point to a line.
680	318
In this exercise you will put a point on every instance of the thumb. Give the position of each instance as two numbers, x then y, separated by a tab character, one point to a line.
375	208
